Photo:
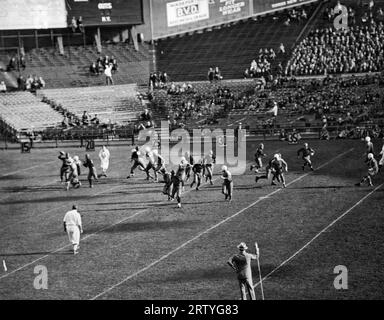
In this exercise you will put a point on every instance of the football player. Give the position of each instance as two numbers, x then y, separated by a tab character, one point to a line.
259	154
306	153
191	161
209	161
151	164
92	174
168	179
278	167
373	169
197	170
227	187
369	146
137	162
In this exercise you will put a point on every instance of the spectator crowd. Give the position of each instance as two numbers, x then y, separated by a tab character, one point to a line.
102	63
30	83
357	48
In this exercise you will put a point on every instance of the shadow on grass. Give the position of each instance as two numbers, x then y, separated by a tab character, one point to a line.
323	187
67	196
145	226
37	253
225	272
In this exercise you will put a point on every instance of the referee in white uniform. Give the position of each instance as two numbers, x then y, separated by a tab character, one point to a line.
73	227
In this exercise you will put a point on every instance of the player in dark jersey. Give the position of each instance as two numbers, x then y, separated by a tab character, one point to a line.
278	166
137	162
268	172
168	178
306	153
191	161
150	165
177	183
259	154
64	165
197	170
88	163
227	188
373	169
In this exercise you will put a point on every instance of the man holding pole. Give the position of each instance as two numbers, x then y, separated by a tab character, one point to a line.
241	263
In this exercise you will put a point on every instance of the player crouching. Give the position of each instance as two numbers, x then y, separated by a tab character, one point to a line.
373	169
227	187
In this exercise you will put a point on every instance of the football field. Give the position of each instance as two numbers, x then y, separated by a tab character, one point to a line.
137	245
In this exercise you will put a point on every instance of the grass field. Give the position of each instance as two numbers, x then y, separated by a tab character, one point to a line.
137	245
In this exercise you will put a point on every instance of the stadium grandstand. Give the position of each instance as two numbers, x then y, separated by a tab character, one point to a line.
234	65
75	73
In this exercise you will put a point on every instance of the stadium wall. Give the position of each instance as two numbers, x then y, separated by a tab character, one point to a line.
165	18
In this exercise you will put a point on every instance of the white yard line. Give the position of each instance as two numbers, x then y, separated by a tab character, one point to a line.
212	228
91	234
318	234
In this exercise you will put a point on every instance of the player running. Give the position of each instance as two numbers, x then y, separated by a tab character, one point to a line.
268	171
64	165
150	165
197	170
159	161
209	161
373	169
167	176
306	153
259	154
278	166
191	161
369	146
92	174
178	180
227	188
137	162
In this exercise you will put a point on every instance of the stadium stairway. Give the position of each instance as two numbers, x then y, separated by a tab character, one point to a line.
117	104
72	68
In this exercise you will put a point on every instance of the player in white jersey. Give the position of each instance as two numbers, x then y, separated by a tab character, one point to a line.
73	227
209	161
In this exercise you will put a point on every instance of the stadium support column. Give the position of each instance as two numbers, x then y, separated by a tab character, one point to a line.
98	40
60	44
134	37
152	61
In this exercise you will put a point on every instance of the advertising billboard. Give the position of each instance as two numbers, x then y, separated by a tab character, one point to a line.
173	17
106	12
261	6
